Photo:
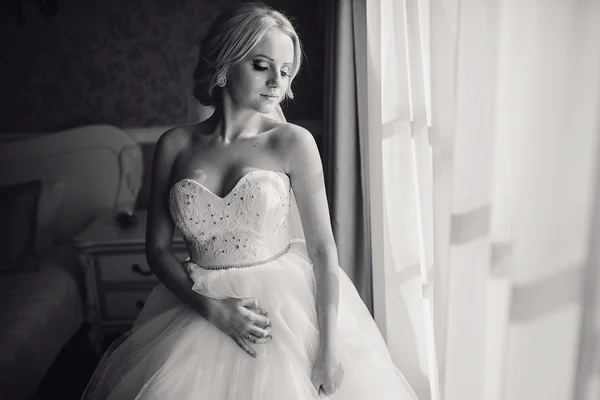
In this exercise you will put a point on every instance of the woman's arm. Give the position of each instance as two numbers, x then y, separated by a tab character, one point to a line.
304	167
235	317
160	227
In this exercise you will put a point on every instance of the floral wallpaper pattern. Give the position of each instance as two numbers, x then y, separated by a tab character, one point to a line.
127	63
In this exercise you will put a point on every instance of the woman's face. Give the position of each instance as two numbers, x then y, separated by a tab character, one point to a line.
260	80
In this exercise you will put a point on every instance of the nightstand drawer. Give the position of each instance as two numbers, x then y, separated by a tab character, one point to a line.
125	267
124	305
128	267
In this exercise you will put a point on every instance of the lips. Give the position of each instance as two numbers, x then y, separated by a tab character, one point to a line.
270	96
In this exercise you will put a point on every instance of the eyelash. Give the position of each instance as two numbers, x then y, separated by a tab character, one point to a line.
259	68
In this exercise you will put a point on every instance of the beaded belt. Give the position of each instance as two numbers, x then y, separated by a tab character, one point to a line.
252	264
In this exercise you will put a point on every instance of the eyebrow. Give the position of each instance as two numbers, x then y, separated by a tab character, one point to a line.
270	59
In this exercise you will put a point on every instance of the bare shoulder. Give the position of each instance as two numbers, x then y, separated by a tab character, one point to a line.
290	133
295	145
291	138
173	143
174	139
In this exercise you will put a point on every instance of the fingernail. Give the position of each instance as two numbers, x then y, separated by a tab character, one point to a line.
270	337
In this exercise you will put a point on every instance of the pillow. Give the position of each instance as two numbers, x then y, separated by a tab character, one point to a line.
18	219
51	198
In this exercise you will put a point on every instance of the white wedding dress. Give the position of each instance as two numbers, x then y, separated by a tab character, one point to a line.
172	353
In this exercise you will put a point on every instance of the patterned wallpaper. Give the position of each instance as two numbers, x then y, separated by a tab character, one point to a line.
127	63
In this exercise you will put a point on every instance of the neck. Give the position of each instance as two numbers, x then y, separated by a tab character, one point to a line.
230	122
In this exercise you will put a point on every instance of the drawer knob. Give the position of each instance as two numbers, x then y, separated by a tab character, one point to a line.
139	304
138	270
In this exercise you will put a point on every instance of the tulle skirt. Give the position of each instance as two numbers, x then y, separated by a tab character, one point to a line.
173	353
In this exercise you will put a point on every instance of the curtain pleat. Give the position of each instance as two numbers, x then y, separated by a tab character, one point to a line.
487	122
344	159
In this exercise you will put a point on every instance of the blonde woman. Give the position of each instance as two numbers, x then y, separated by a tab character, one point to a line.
262	311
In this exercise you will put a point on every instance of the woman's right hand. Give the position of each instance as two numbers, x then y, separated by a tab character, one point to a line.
244	320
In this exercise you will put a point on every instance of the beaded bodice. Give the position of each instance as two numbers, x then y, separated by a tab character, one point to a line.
248	225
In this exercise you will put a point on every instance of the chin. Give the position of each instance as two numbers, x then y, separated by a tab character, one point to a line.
266	108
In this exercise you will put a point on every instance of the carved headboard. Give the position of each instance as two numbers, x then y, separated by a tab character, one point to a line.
101	167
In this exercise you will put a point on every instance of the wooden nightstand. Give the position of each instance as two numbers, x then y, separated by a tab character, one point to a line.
118	278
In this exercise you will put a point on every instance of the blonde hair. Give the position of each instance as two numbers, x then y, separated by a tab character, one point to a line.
230	38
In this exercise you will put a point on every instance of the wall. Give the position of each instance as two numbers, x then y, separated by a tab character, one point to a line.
126	63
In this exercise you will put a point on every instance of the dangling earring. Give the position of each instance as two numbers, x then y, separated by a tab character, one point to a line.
221	80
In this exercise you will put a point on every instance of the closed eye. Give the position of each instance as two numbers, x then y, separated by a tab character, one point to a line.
259	67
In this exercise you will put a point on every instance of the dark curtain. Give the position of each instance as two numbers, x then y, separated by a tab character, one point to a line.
344	140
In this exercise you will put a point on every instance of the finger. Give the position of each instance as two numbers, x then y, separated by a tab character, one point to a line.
254	305
264	333
256	331
341	378
328	389
259	340
250	303
258	335
189	266
257	319
315	382
244	346
260	310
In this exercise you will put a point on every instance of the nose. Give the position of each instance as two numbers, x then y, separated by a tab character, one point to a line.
274	80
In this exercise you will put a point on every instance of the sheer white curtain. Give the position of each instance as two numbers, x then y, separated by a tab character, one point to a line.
401	186
483	127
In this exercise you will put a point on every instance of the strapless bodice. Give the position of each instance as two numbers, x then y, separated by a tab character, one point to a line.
248	225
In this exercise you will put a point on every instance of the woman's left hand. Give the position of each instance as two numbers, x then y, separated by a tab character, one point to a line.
327	373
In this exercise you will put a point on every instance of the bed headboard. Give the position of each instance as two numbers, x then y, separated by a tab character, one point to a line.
101	167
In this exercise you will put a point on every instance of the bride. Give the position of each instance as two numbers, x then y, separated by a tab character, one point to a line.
262	310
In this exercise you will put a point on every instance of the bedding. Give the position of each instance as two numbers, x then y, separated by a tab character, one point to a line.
18	219
39	312
82	171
